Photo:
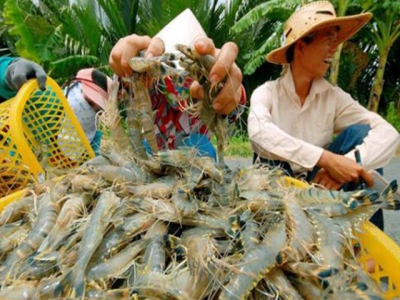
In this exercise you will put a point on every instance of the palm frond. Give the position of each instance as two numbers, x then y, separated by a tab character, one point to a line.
15	17
257	57
64	68
274	10
121	17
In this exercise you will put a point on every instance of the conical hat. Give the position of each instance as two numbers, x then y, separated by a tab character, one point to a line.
184	29
312	17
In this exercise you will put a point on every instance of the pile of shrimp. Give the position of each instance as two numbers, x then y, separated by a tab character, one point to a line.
174	225
181	228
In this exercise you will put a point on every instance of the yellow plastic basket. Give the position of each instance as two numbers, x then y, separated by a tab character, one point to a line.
380	251
38	132
16	196
376	249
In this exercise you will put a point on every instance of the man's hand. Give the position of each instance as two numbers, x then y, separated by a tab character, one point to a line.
343	169
21	70
323	178
229	97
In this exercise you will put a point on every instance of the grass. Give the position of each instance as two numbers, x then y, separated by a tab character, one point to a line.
237	146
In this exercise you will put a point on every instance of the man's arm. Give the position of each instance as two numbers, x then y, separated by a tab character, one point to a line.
14	72
6	92
382	141
377	148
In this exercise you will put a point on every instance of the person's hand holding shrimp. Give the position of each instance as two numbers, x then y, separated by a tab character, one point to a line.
227	99
230	95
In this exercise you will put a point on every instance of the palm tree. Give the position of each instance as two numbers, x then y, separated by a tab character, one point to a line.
263	27
342	8
334	72
121	17
52	35
385	30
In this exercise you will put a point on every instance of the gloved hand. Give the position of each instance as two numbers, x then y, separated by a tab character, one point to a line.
21	70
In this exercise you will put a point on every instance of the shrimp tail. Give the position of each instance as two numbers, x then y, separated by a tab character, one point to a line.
72	285
387	196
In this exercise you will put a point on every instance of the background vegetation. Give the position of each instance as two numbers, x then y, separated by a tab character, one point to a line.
65	37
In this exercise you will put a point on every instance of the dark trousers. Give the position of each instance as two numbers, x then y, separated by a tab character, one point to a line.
347	140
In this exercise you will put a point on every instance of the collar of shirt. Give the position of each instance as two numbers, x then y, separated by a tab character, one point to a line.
318	85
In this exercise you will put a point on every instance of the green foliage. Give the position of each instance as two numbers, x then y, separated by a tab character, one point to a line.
121	17
352	64
264	24
237	146
392	116
154	15
65	38
77	61
15	17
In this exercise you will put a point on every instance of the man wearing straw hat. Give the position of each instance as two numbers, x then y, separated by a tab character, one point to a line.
175	127
293	119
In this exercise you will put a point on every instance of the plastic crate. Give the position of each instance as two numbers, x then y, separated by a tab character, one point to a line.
38	132
379	250
376	249
16	196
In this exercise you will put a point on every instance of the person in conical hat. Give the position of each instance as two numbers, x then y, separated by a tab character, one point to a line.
292	120
174	126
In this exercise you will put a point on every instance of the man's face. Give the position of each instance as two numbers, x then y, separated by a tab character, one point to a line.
317	55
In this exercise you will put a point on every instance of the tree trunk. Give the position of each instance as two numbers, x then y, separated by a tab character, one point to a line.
398	106
376	91
335	65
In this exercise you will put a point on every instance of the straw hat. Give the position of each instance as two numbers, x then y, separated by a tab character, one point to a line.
183	29
312	17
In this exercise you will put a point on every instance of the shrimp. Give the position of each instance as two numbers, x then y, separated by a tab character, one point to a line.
71	210
72	284
330	241
113	173
111	118
154	257
12	240
254	263
117	264
277	279
302	235
48	212
199	66
115	239
159	189
21	291
140	115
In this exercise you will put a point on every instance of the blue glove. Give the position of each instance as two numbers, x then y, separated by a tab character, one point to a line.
21	70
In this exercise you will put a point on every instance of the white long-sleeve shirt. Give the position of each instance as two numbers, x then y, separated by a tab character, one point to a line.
280	128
